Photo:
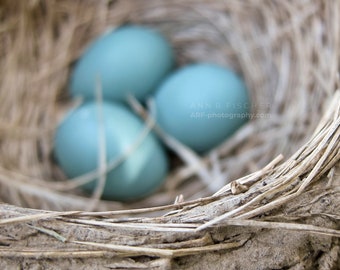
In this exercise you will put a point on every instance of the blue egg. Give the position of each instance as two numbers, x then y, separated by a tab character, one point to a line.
130	60
201	105
76	150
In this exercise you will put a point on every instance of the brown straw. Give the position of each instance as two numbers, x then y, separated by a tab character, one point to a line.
270	179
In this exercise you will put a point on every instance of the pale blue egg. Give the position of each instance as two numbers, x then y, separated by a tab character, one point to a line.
76	150
129	60
202	105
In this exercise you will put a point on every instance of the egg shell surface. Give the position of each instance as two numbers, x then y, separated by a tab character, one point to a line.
202	104
129	60
77	150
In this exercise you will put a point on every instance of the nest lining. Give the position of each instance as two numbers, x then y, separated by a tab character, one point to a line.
270	44
188	228
288	53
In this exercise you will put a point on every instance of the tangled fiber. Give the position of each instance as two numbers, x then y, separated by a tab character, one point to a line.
267	198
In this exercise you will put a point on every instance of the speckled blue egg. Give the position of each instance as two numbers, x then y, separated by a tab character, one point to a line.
77	150
202	104
129	60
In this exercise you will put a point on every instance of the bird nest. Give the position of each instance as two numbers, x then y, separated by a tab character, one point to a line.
268	197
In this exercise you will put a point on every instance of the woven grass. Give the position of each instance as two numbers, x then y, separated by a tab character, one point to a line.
277	176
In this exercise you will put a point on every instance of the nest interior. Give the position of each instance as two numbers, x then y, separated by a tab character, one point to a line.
285	159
